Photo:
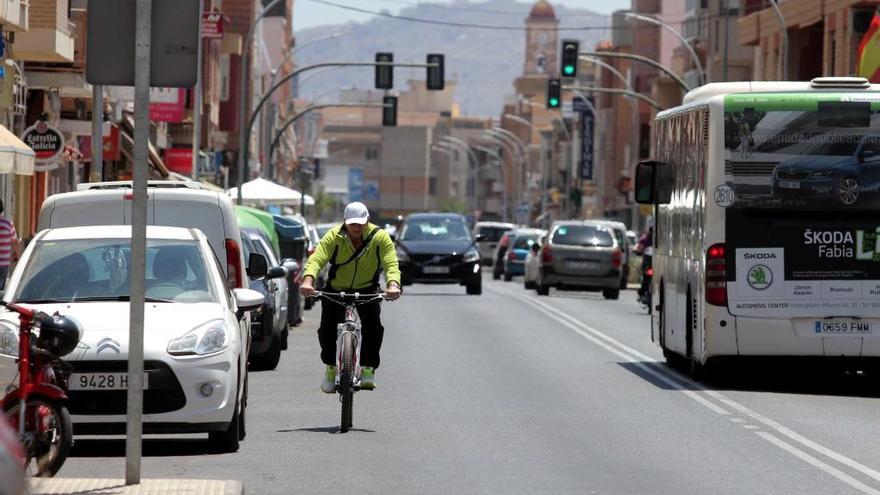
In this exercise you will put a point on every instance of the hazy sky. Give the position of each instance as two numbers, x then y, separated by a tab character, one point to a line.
308	14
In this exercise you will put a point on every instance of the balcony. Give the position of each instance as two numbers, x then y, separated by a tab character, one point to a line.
50	37
14	15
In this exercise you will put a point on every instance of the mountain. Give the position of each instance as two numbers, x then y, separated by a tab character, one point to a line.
483	61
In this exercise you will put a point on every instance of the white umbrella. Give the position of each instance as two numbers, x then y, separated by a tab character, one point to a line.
265	191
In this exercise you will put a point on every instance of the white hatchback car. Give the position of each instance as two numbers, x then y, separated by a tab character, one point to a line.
195	334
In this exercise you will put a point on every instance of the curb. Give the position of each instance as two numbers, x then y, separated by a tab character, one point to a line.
103	486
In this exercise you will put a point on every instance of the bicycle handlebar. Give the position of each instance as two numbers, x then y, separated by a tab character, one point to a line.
27	312
355	298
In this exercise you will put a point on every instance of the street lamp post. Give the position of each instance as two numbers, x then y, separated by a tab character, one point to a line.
701	73
545	182
498	163
783	60
243	102
517	159
524	152
466	149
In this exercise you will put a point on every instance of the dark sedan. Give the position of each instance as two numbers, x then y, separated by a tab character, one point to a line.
437	248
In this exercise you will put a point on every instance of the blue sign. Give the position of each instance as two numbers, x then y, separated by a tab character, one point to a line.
355	184
586	129
371	190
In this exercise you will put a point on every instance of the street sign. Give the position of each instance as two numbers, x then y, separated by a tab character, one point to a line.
167	105
46	141
212	25
110	43
586	129
355	184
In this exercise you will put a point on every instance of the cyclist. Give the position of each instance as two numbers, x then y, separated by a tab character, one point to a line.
356	250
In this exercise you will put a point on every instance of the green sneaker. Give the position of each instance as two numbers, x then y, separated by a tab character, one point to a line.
368	378
328	386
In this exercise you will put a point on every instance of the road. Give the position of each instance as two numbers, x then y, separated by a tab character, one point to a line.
512	393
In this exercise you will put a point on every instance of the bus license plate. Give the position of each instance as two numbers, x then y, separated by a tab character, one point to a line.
843	327
787	184
435	269
102	381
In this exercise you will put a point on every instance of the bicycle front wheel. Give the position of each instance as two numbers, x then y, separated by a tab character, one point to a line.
346	381
49	434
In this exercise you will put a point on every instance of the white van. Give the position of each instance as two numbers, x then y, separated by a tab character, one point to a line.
173	204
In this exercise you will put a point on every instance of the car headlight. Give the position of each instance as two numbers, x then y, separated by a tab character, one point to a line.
401	254
8	339
824	174
205	339
472	254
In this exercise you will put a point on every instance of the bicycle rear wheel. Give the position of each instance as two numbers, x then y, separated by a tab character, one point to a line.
50	434
346	381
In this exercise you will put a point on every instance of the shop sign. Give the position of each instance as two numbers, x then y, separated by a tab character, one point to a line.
179	160
46	141
167	104
212	25
111	145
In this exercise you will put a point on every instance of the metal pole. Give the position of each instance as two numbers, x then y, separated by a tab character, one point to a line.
724	72
783	60
197	103
472	157
135	396
243	103
617	91
544	172
97	169
517	160
645	60
701	72
498	163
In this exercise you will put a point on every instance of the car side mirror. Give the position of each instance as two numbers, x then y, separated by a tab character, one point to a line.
290	265
247	299
257	266
276	272
479	238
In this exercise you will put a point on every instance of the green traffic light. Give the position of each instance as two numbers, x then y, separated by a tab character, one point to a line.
568	69
554	102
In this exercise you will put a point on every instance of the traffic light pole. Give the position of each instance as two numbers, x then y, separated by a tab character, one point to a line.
244	139
292	120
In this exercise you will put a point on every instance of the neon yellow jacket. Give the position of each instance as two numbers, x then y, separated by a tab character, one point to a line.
348	272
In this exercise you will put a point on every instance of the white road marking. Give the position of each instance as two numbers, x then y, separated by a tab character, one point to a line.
684	385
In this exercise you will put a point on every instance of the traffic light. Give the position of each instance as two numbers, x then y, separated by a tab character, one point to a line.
384	73
435	74
389	111
554	93
570	54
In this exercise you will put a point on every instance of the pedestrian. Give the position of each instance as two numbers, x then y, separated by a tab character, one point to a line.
356	250
10	248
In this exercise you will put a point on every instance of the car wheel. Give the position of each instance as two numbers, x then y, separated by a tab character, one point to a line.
508	277
541	288
268	360
611	294
475	289
242	433
225	442
848	191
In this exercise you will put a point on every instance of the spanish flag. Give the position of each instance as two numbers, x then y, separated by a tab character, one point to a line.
868	55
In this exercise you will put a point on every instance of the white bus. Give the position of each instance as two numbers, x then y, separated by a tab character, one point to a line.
767	213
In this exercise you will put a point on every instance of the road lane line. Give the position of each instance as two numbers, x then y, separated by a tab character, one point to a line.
800	454
629	358
682	383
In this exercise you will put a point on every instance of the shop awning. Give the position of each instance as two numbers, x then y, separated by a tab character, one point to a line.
262	191
15	156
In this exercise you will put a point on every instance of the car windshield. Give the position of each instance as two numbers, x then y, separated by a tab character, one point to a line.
441	229
493	234
582	235
524	241
98	270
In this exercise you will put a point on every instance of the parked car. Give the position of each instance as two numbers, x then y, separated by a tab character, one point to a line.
196	335
437	248
514	260
620	235
175	204
491	232
269	330
580	254
294	242
500	253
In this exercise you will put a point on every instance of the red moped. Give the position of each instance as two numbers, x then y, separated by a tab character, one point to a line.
37	407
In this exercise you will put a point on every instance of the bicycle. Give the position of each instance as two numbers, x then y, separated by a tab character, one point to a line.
348	349
37	407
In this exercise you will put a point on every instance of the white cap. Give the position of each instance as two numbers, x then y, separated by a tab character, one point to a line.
356	213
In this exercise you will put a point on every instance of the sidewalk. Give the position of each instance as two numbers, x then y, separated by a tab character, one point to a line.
96	486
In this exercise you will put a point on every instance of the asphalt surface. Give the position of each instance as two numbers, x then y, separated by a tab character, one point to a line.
514	393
